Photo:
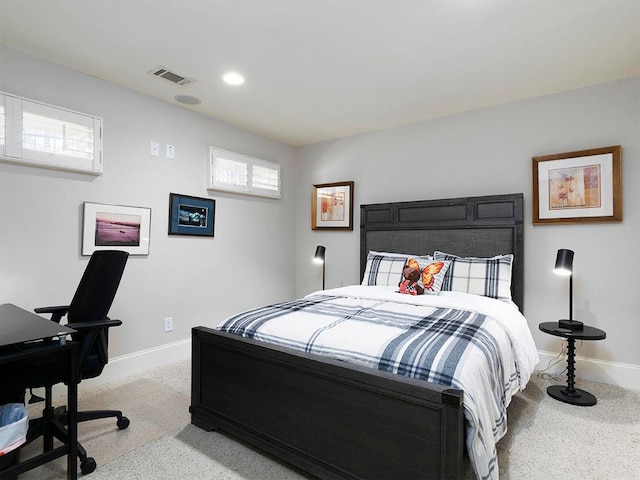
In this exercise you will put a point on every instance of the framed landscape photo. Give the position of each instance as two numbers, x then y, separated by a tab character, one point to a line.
578	187
332	206
115	227
192	216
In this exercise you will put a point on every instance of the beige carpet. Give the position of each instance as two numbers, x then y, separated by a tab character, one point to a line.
547	439
153	410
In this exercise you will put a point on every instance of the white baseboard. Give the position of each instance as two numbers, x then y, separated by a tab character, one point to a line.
613	373
621	374
138	362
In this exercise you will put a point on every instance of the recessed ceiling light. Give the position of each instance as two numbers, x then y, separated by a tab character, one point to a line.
187	100
233	78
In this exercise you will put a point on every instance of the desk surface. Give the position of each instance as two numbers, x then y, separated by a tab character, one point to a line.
18	326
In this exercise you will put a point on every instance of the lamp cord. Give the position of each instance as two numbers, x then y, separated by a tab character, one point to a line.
544	373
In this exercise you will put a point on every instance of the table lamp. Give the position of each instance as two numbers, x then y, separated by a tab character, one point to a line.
319	258
564	266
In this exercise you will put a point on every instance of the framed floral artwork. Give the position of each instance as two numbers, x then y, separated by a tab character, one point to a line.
332	206
578	187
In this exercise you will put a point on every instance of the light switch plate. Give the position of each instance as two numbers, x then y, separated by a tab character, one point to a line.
168	324
171	152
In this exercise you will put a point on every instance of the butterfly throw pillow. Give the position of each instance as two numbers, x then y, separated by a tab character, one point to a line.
422	277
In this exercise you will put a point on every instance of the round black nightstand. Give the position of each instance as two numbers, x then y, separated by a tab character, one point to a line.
570	394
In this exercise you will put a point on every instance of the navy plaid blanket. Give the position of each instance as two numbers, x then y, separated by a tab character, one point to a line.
449	346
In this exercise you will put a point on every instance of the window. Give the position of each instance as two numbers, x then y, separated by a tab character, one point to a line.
230	173
46	136
233	172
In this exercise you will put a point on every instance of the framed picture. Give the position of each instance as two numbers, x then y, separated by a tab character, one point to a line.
578	187
191	215
116	227
332	206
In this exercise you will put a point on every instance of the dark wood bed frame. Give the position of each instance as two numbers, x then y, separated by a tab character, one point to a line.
336	420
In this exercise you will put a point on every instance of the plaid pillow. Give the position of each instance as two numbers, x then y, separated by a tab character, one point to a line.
489	277
385	268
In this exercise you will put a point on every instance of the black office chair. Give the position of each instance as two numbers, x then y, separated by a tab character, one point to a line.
87	313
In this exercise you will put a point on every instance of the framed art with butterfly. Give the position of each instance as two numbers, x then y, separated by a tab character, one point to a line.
578	187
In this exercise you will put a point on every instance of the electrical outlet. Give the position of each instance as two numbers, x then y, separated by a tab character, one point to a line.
168	324
154	149
171	151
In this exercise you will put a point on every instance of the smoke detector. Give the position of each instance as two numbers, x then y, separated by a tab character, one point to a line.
171	76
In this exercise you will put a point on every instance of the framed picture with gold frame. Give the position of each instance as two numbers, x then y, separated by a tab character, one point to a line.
332	206
584	186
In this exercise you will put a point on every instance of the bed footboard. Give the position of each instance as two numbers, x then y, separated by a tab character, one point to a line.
331	419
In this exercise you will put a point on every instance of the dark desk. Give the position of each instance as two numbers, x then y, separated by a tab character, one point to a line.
21	328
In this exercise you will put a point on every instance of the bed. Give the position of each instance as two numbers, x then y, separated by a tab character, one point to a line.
336	418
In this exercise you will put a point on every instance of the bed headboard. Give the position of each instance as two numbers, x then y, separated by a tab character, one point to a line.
471	226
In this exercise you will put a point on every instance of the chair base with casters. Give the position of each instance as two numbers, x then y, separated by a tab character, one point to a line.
53	424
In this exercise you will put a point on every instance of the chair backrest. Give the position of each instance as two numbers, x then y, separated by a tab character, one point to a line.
98	286
91	303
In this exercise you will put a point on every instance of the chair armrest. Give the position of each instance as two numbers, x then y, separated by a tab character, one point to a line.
80	326
62	309
56	312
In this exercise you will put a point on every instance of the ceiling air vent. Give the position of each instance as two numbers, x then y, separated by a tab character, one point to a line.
172	77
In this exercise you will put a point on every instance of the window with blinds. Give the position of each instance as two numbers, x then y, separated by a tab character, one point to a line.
45	134
42	135
234	172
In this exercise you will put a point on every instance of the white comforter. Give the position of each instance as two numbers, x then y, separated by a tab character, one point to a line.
367	324
506	314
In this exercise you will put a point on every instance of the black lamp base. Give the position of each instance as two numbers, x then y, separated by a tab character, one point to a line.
574	396
570	324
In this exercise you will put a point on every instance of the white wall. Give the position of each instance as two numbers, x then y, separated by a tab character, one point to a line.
260	255
489	151
197	281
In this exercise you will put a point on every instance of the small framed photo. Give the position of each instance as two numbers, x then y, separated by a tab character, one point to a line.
193	216
578	187
332	206
115	227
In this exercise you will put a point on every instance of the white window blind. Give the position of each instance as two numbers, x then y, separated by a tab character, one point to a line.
266	177
47	136
231	173
234	172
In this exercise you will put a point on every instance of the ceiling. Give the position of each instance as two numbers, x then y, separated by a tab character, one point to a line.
323	69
